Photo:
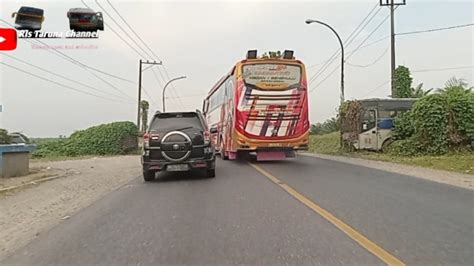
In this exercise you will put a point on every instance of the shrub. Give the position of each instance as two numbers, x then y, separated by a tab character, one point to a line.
437	123
4	138
430	122
405	147
107	139
460	115
403	126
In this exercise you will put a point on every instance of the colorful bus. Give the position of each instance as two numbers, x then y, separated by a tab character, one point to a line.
260	107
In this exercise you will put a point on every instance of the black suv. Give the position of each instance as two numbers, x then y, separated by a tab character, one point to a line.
177	141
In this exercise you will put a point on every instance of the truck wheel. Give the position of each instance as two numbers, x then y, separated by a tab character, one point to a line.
211	173
149	176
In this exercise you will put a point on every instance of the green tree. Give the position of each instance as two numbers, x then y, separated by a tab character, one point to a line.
144	105
418	92
4	137
403	82
328	126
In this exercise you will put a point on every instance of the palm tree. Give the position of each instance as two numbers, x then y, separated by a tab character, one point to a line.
454	84
418	92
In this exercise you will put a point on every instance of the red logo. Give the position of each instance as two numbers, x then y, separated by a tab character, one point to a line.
7	39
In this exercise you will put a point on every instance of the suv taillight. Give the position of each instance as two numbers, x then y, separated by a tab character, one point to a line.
146	139
207	137
150	136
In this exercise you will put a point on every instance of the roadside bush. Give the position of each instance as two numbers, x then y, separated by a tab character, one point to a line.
405	147
4	138
460	115
403	126
430	121
437	123
107	139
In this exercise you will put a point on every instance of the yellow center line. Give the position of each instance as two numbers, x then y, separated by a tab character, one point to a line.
370	246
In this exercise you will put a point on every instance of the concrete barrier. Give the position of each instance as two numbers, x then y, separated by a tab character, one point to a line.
15	159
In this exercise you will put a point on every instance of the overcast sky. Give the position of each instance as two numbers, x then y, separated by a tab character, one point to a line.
202	40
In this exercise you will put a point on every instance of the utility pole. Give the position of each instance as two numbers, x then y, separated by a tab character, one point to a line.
392	4
140	63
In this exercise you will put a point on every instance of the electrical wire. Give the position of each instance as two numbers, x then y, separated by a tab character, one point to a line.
376	88
441	69
438	29
62	85
370	64
352	53
123	30
348	41
126	42
61	76
134	32
117	34
72	60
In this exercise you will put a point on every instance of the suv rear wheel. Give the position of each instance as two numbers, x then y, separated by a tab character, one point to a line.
149	176
211	173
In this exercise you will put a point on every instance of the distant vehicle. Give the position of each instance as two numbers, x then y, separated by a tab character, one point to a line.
18	138
28	18
85	19
376	122
178	141
260	107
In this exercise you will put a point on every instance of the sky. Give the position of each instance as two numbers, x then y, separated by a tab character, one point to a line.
202	40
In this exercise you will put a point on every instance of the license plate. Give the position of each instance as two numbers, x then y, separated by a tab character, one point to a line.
274	145
177	167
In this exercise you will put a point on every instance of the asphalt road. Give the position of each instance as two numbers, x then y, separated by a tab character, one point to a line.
302	211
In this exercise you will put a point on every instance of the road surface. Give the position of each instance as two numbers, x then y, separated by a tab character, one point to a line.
302	211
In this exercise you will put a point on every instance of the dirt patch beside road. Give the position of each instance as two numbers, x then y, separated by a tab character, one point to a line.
30	211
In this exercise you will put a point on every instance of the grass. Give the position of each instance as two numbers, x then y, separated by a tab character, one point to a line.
462	162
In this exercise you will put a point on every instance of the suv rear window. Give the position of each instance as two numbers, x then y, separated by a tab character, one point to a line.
170	121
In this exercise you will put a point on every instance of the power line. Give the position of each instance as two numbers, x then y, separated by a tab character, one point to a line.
370	64
143	42
173	89
438	29
72	60
376	88
134	32
118	35
348	41
76	62
61	76
62	85
353	52
126	42
123	30
442	69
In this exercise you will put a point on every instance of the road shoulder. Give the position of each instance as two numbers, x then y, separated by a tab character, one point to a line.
440	176
30	211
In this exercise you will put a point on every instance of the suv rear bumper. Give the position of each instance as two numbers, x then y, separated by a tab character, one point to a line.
194	163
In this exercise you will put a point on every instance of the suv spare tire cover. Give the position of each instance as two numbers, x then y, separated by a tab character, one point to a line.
176	146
